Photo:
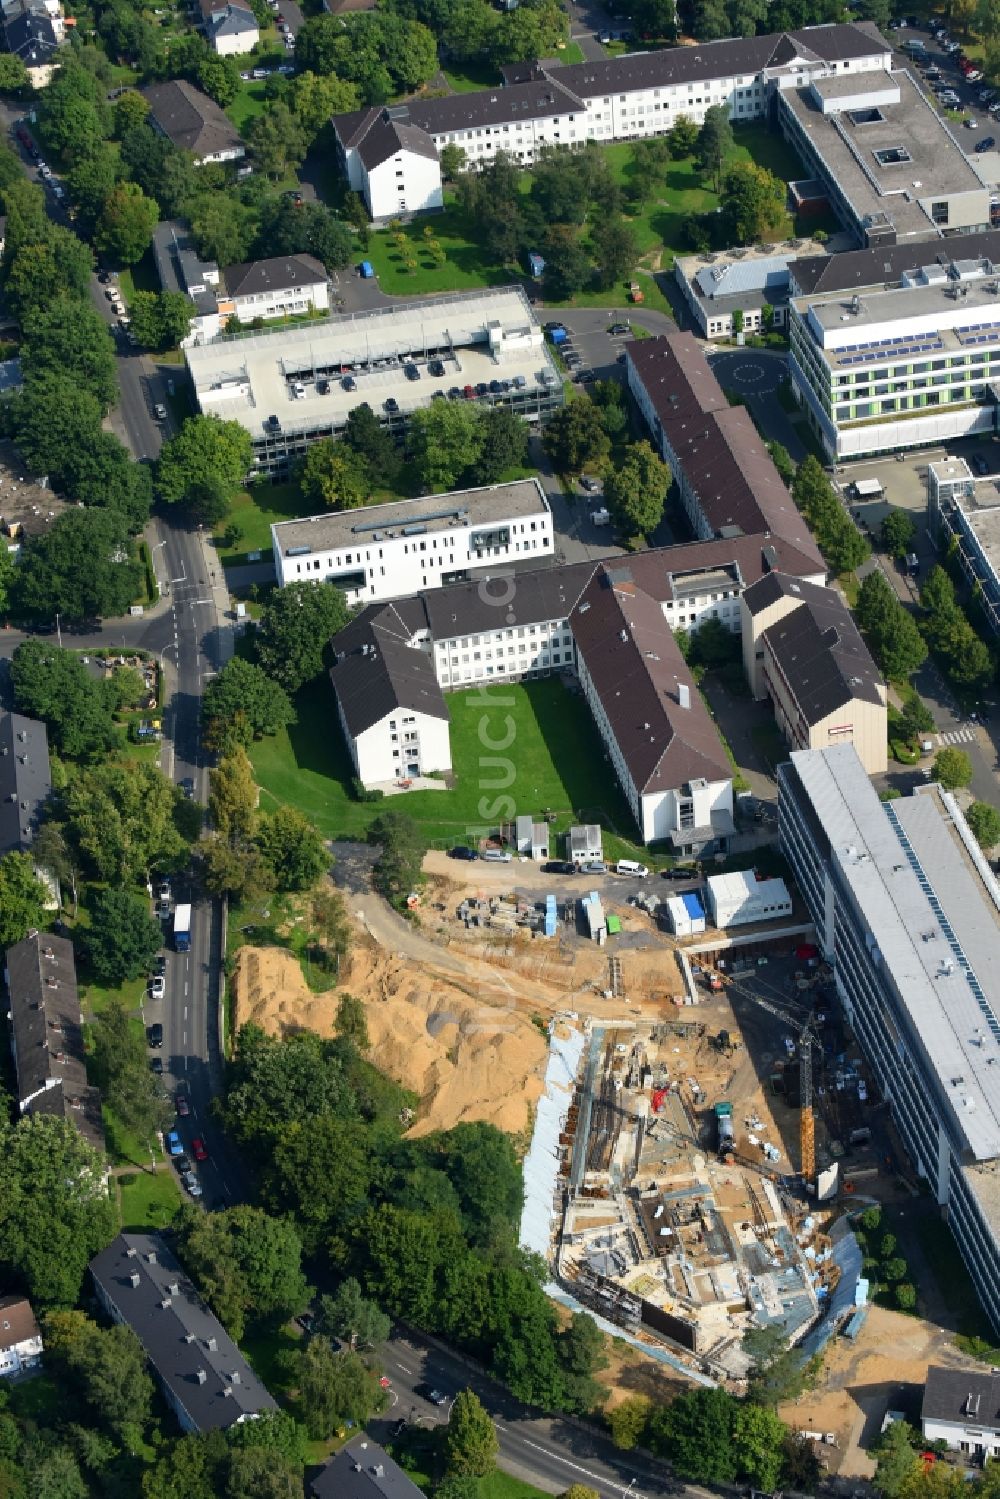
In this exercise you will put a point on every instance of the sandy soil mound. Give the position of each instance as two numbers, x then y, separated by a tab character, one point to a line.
464	1058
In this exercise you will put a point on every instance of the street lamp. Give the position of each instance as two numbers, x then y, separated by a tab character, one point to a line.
58	631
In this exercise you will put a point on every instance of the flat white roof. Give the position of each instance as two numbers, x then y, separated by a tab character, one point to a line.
479	337
744	885
932	911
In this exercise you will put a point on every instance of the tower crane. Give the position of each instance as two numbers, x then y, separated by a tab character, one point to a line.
803	1023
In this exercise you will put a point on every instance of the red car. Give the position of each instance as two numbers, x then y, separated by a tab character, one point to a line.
182	1105
198	1149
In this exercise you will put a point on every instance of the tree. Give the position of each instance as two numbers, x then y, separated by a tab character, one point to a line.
70	338
55	686
335	476
161	320
82	568
682	137
247	1263
445	440
125	228
7	576
758	1435
123	939
295	626
628	1420
397	870
122	821
579	1491
219	77
575	436
232	798
365	434
782	460
276	140
635	492
222	226
333	1388
984	822
13	74
131	110
616	250
121	1071
715	140
244	690
915	717
897	1459
503	444
203	465
897	533
71	120
57	427
275	1084
567	266
350	1317
314	99
22	898
51	852
452	161
581	1353
107	1368
753	203
777	1371
292	848
55	1213
952	768
695	1433
263	1473
471	1443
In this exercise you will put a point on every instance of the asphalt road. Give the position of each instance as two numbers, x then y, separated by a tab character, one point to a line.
552	1454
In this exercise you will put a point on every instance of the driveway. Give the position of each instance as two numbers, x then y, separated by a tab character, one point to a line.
756	375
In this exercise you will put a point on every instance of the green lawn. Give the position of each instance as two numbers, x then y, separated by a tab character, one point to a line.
148	1200
502	1486
139	277
465	264
556	754
253	513
471	77
250	101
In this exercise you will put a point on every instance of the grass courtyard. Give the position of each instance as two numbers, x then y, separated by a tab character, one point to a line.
556	764
657	225
247	526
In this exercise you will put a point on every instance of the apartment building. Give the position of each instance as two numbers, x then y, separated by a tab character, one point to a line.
25	780
964	515
193	122
891	166
906	355
286	286
393	164
621	98
803	652
180	269
204	1377
45	1023
726	478
388	551
293	385
907	912
230	26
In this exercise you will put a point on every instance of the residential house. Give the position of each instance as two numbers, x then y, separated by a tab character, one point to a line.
46	1034
180	269
34	30
25	780
363	1470
205	1379
230	26
193	121
962	1407
20	1337
392	163
287	286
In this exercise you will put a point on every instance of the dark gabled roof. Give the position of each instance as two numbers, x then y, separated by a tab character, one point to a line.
363	1470
47	1034
31	36
636	667
545	97
855	269
180	1336
17	1321
817	648
720	451
189	118
466	608
378	672
966	1396
387	137
25	780
283	271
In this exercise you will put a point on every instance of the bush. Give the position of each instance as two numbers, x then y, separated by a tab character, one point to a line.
363	793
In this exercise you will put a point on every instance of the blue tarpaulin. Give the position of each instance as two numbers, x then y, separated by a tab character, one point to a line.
693	906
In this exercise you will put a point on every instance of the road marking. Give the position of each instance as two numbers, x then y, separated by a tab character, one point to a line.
558	1457
185	1038
185	1012
957	736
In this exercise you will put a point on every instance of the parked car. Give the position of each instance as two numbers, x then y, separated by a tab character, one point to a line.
428	1392
158	987
391	404
462	851
985	143
160	966
154	1035
620	328
156	1066
186	786
182	1105
174	1145
559	866
594	866
160	412
411	372
435	367
198	1149
191	1183
349	383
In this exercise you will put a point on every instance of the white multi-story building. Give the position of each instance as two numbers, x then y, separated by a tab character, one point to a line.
904	366
907	912
286	286
392	550
391	163
230	26
622	98
964	514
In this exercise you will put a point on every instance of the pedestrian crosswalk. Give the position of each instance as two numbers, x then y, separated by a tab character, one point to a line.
964	735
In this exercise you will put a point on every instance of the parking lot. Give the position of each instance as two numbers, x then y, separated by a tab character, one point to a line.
941	71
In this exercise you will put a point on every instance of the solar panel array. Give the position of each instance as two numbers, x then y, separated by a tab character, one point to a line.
887	348
978	333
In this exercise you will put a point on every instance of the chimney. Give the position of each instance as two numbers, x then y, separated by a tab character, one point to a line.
683	695
174	1288
165	1303
151	1256
135	1278
201	1376
212	1344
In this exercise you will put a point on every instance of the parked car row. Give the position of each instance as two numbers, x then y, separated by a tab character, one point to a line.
555	866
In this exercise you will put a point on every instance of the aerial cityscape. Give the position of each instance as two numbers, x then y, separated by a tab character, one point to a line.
499	749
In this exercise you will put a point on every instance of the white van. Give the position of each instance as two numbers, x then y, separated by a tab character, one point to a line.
629	866
496	856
